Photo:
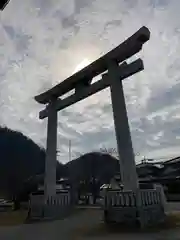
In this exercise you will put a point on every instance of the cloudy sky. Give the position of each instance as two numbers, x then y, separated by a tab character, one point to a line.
44	41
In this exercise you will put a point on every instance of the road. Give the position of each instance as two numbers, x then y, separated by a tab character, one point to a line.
173	206
86	225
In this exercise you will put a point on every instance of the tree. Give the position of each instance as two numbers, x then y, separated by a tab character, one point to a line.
93	169
21	159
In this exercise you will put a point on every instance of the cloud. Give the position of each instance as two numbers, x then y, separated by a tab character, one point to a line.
41	44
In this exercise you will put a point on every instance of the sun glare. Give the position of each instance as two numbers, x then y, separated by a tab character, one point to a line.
81	65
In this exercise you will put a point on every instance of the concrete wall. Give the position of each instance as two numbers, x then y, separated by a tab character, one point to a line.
143	206
58	206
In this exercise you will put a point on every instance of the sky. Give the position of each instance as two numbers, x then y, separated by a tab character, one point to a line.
42	42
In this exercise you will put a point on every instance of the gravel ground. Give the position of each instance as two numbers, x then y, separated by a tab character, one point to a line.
86	224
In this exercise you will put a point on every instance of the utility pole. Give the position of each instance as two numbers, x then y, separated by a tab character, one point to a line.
143	160
69	150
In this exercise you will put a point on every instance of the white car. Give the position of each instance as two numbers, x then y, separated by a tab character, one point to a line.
105	186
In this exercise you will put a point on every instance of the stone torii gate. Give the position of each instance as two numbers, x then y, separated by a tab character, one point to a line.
81	82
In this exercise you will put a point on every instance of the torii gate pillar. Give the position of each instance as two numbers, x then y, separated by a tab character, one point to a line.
123	137
50	163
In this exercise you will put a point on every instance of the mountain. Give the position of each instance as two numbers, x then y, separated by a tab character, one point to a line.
22	164
95	164
20	159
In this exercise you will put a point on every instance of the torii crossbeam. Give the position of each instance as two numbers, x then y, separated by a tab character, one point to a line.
3	4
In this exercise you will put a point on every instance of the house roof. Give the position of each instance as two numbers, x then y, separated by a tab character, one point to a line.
173	160
147	164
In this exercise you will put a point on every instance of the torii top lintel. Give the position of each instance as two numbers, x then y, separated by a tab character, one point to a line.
3	4
128	48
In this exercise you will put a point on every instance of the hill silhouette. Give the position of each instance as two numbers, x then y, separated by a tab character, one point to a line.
22	164
20	159
92	165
